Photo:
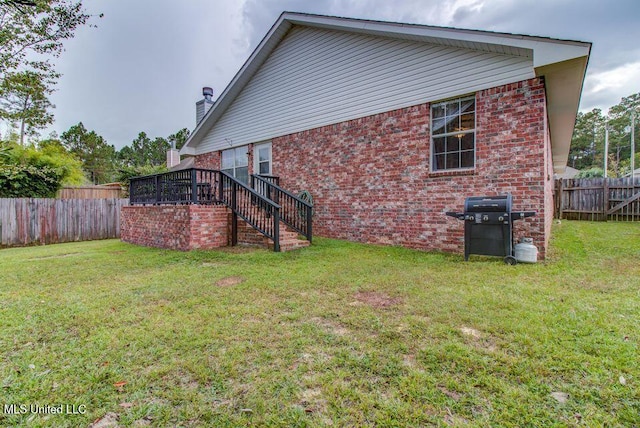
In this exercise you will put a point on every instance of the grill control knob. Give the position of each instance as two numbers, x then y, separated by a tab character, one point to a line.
500	218
485	218
472	218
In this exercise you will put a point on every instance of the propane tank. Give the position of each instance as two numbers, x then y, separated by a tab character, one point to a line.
525	251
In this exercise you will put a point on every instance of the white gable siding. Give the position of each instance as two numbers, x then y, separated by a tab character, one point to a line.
317	77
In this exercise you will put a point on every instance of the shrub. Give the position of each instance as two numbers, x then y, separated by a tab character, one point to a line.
591	173
28	181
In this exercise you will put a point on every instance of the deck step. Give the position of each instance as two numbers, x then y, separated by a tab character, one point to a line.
289	239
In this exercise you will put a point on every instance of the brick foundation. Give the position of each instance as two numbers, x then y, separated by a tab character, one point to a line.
177	227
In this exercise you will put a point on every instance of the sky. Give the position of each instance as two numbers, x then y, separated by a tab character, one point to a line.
144	65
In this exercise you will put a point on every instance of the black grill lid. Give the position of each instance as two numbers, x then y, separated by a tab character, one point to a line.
475	204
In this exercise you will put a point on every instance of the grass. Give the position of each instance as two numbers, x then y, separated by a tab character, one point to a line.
336	334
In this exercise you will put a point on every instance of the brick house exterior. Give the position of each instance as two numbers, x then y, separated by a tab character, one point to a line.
380	189
350	112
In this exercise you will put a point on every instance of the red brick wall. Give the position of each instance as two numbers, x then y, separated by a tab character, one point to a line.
371	180
177	227
209	160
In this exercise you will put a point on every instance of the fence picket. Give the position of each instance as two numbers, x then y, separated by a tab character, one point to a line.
595	199
25	221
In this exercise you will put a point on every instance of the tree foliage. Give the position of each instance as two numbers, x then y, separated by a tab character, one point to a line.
587	144
24	101
31	31
37	172
96	155
145	151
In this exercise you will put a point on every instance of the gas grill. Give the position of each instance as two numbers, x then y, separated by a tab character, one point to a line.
488	226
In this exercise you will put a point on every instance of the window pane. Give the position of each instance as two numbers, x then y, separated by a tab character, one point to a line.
241	156
263	167
453	144
438	162
437	111
468	106
467	121
466	160
438	126
452	108
263	154
439	145
227	159
242	174
453	161
453	124
467	141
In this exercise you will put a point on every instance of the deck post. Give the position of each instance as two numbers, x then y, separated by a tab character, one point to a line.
194	186
276	230
234	215
309	225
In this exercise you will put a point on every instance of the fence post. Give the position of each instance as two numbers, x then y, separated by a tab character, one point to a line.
605	203
561	198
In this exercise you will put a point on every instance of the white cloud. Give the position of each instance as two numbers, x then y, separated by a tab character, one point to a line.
606	88
143	68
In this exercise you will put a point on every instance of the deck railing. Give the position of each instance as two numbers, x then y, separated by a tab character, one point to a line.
294	212
206	186
256	209
189	186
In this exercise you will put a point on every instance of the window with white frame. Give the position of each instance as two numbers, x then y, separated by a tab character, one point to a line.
453	139
235	162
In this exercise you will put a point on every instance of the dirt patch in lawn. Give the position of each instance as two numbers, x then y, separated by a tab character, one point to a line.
479	339
313	401
331	326
57	256
230	281
377	299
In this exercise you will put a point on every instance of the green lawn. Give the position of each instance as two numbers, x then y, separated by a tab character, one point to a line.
338	334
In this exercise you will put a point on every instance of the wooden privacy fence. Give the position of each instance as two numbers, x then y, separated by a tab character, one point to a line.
598	199
90	192
26	221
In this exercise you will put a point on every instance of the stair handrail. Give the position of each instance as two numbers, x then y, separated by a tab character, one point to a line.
293	208
268	220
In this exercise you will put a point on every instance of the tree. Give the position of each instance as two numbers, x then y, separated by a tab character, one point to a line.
588	139
587	143
619	132
96	155
145	151
24	101
178	139
32	30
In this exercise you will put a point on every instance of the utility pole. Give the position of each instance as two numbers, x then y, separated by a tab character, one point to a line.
633	143
606	148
